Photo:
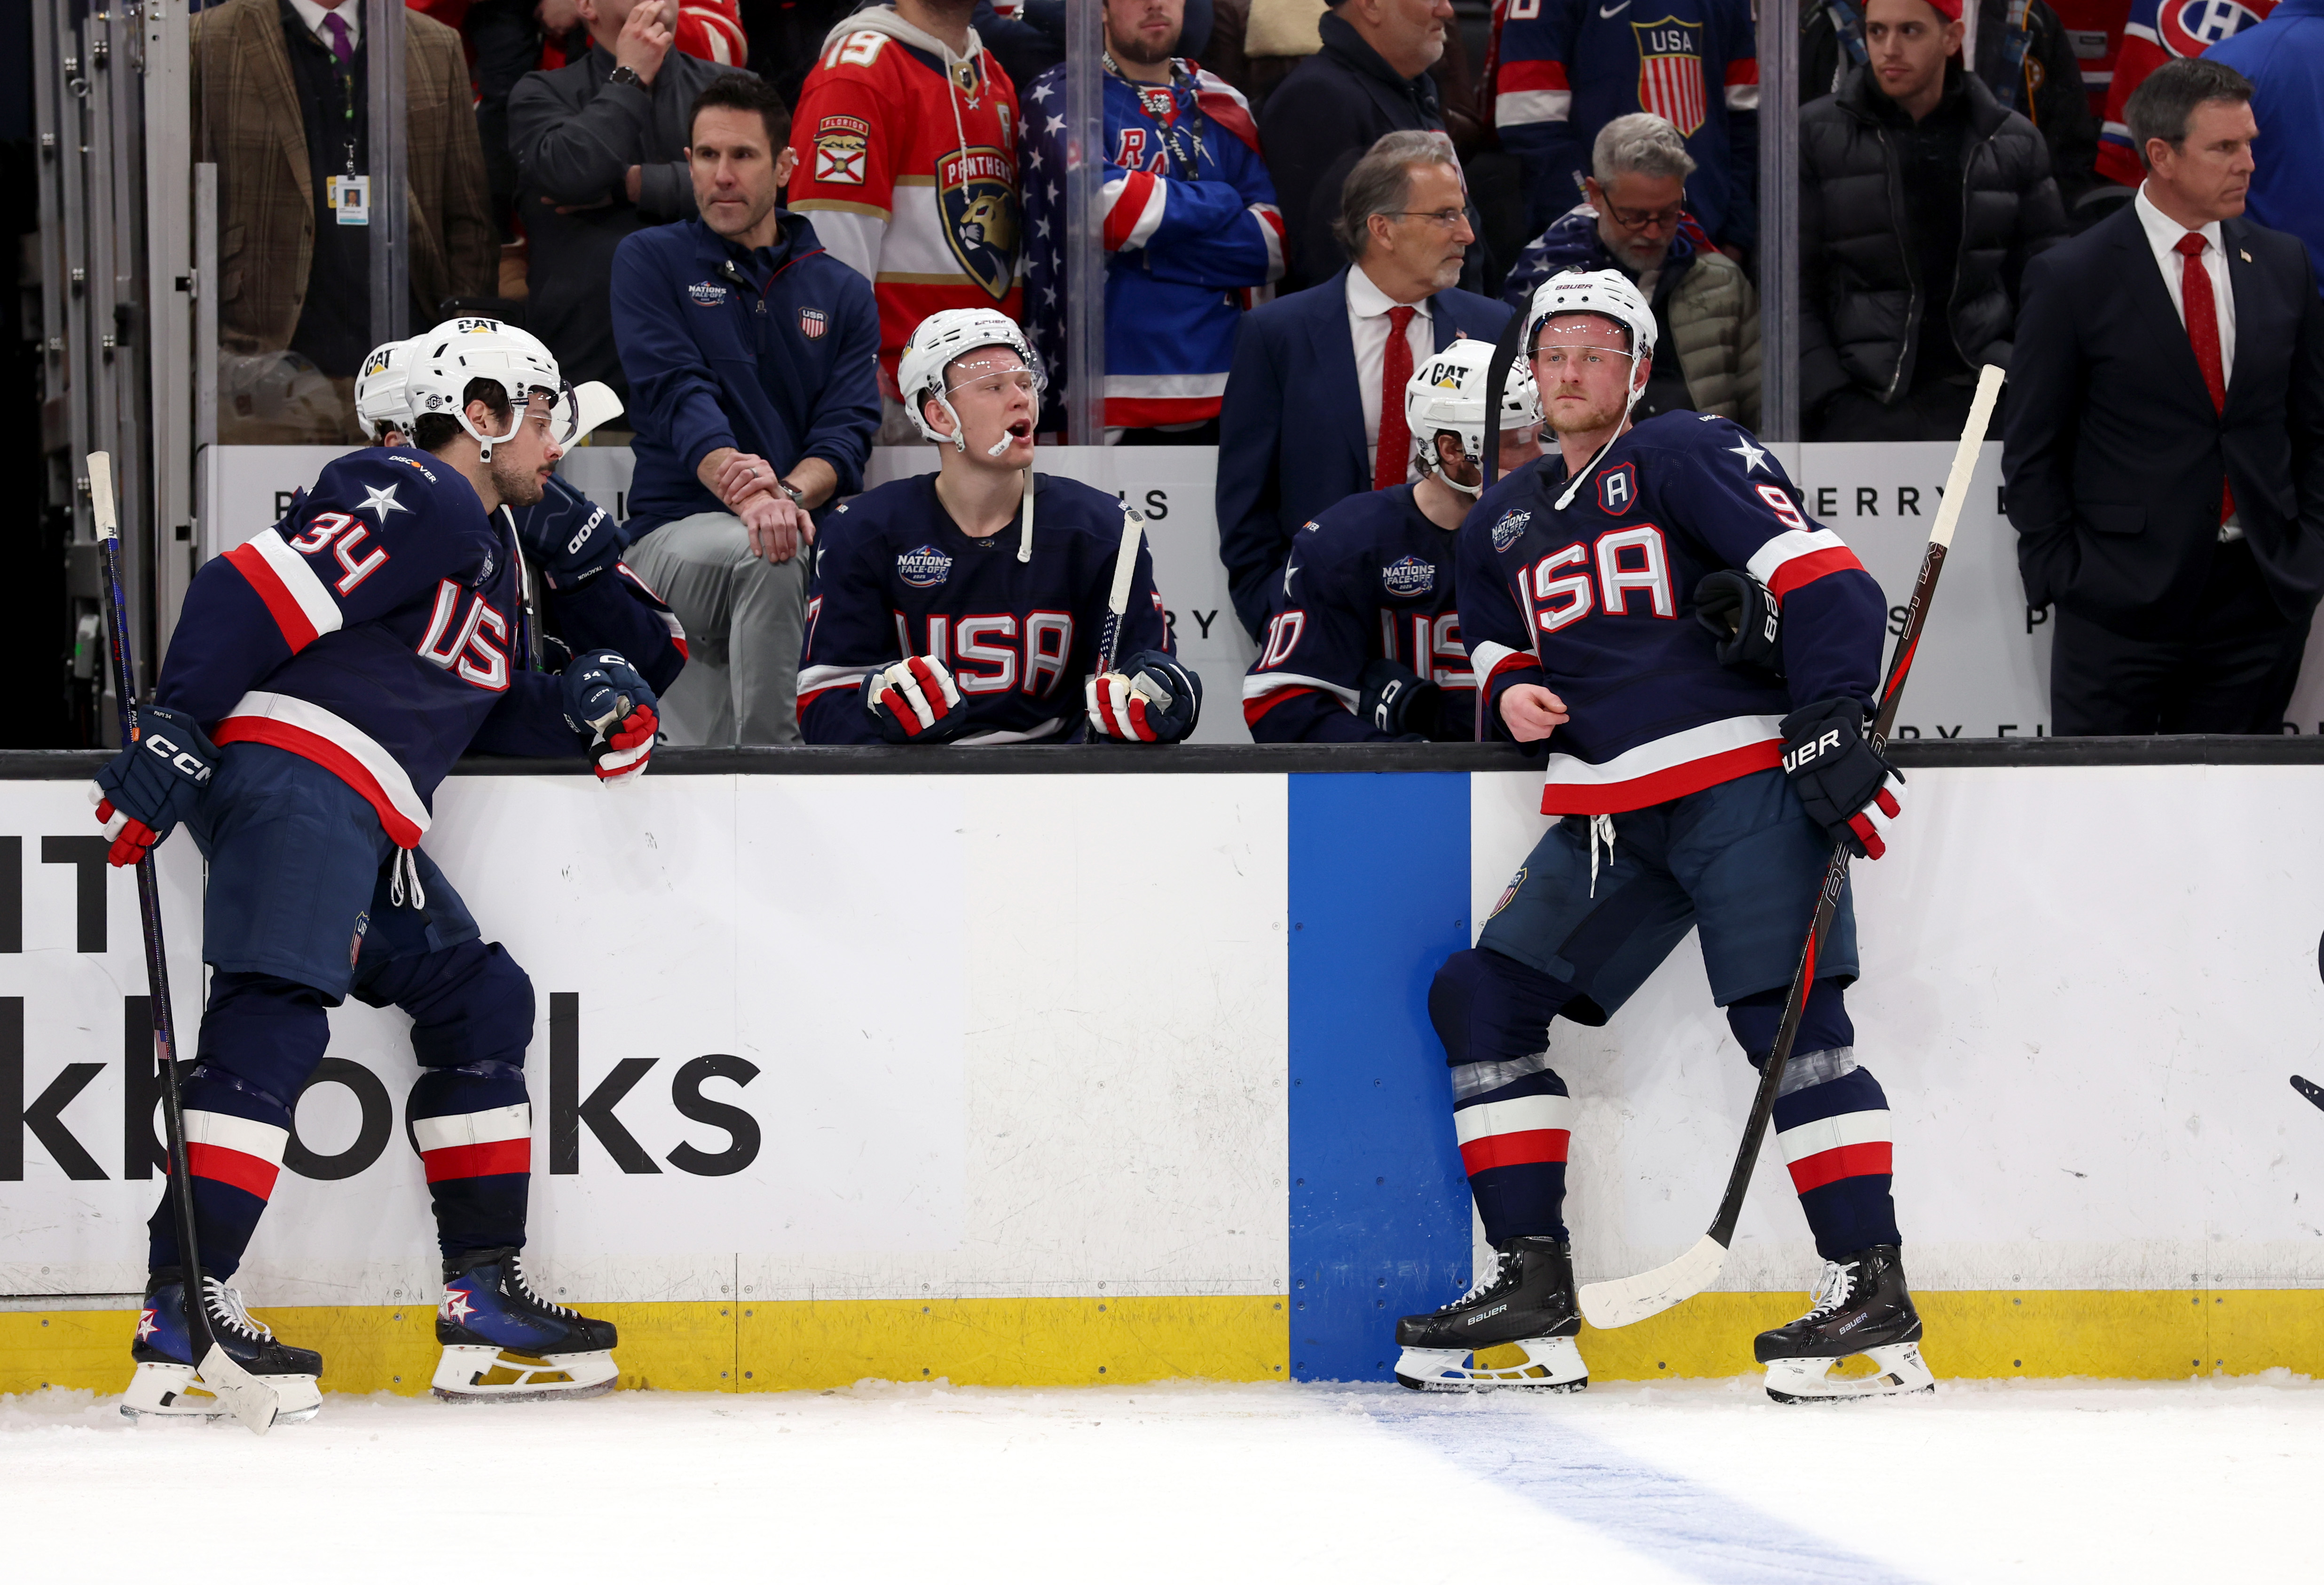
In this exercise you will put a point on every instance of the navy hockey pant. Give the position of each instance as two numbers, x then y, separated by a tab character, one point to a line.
1740	862
303	909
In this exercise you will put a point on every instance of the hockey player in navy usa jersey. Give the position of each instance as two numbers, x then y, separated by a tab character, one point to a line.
322	681
1363	642
965	605
1700	659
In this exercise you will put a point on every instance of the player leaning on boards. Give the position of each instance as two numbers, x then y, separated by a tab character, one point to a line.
322	681
1363	637
933	618
1699	781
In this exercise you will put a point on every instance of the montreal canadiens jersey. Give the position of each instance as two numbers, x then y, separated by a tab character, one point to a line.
895	577
373	631
2159	31
908	166
1371	579
1596	603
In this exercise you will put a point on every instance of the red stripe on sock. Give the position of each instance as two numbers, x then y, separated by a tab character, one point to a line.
250	1173
1524	1148
1849	1161
490	1159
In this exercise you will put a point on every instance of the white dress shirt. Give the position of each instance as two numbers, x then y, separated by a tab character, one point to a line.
2162	234
348	10
1368	323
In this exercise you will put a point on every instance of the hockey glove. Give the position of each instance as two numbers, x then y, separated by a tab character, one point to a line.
612	707
569	537
152	783
1851	790
1149	699
1738	610
916	701
1396	700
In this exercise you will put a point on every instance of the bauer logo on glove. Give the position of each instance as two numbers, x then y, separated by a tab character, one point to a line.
1149	699
1841	780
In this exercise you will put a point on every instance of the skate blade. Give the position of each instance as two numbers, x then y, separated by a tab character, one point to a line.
1542	1364
475	1374
1897	1372
165	1391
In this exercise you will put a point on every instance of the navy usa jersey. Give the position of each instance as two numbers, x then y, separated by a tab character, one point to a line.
613	611
895	577
372	631
1596	603
1371	579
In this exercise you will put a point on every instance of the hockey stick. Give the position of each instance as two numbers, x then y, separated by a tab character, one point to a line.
247	1398
1125	572
2314	1092
1624	1300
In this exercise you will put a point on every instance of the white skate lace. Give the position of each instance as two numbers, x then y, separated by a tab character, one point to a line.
517	1281
1487	1280
1830	1293
224	1304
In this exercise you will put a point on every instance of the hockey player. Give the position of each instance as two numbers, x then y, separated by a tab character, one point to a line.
1699	656
1363	644
320	682
965	605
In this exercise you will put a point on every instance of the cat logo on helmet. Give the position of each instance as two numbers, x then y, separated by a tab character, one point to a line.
976	194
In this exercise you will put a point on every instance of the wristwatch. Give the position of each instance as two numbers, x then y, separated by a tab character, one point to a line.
791	490
622	74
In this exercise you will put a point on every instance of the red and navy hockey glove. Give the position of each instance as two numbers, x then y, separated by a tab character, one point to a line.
1150	699
612	707
1851	790
915	701
152	783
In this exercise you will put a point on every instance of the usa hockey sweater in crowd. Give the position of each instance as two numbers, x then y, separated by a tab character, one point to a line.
1191	226
1596	603
1564	69
1371	579
373	631
895	576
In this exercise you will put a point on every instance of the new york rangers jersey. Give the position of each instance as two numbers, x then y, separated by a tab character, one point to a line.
1596	603
1191	226
2159	31
895	577
1564	69
374	631
1371	579
908	161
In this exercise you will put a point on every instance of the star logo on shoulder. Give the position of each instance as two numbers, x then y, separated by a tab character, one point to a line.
456	1307
381	501
1753	456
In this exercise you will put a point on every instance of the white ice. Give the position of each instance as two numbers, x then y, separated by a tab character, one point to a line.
2082	1481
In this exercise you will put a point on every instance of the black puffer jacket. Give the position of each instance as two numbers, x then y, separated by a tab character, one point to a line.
1861	301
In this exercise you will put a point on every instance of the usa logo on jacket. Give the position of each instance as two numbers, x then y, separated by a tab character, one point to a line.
813	323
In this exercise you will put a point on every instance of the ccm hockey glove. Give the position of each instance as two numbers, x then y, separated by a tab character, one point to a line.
1397	700
916	701
152	783
1150	699
1851	790
612	707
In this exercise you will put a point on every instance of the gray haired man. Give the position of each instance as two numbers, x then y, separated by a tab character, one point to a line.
1633	218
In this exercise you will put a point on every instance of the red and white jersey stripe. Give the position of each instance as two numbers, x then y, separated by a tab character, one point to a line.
1531	91
236	1150
1667	768
1830	1149
313	732
1134	203
1517	1132
294	596
476	1144
1742	85
1797	557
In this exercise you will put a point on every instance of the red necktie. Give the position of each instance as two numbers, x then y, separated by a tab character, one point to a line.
1394	459
2203	332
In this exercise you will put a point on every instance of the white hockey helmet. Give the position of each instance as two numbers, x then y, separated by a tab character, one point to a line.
447	358
1448	392
583	407
379	388
1608	293
940	339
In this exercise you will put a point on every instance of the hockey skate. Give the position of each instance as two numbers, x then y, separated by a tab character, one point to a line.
1524	1304
166	1381
1861	1307
502	1342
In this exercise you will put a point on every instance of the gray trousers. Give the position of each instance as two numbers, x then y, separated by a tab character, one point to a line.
746	618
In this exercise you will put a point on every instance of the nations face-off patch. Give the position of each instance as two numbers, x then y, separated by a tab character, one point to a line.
1409	577
924	568
1506	531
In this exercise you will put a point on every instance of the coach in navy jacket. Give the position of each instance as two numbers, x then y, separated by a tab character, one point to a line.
753	387
1306	398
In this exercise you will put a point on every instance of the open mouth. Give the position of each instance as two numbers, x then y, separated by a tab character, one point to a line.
1022	429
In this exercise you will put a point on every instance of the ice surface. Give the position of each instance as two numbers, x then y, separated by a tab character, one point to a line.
2203	1479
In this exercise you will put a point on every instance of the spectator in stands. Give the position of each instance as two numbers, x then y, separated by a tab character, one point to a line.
2164	450
1314	402
1190	222
601	153
2026	58
1634	220
1370	79
2284	58
281	102
1921	200
906	140
750	353
1568	67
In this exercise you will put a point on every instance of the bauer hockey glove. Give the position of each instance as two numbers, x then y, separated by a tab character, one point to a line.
1150	699
1398	701
152	783
1738	610
1851	791
611	708
915	701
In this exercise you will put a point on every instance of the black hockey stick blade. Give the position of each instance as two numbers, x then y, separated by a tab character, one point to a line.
2315	1093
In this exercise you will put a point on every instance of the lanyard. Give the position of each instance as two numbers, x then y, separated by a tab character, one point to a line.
1182	139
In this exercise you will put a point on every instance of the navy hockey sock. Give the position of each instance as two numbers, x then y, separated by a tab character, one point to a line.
1832	1120
1511	1112
261	1039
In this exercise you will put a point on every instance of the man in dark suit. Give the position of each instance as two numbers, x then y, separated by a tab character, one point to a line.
1314	409
2164	443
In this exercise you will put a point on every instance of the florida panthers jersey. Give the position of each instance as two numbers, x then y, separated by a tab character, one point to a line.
1596	603
372	631
1371	579
895	577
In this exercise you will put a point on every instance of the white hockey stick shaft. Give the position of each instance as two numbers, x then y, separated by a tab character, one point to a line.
1125	572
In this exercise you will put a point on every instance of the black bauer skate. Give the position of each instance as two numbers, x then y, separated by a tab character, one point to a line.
166	1381
1524	1303
1861	1307
505	1342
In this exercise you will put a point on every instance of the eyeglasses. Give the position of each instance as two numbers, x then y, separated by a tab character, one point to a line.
1442	219
1641	219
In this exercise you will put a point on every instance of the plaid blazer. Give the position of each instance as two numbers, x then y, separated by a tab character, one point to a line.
245	118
